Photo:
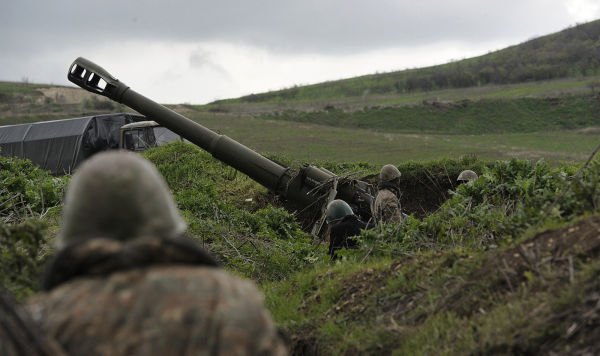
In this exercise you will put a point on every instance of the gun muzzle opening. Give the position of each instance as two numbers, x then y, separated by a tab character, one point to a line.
86	78
96	83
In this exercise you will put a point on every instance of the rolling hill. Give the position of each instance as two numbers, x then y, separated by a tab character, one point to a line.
573	52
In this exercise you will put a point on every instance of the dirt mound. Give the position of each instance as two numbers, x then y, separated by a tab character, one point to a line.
542	265
551	254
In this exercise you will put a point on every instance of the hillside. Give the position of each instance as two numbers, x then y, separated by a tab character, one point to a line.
28	102
359	120
573	52
515	124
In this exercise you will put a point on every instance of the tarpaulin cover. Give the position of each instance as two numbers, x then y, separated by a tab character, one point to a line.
163	135
59	146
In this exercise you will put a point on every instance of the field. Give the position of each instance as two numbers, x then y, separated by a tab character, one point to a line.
516	120
311	142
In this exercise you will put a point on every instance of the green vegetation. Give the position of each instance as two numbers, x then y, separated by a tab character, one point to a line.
311	142
465	117
471	278
20	92
229	213
482	270
30	200
27	191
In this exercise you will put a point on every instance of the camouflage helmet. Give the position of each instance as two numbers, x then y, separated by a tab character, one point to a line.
337	210
118	195
467	176
388	173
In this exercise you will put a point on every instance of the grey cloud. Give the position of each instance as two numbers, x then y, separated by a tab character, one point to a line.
330	26
40	38
202	59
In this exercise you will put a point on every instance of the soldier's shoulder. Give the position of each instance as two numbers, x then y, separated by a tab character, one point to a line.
154	283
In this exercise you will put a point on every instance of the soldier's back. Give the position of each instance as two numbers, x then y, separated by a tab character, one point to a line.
387	207
156	309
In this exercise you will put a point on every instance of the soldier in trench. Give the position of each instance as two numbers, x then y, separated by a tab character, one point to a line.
342	225
125	280
387	203
466	176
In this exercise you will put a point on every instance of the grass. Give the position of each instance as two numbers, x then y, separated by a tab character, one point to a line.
538	89
569	53
23	89
434	303
464	117
312	142
436	285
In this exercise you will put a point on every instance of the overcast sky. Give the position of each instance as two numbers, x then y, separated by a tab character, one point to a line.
197	51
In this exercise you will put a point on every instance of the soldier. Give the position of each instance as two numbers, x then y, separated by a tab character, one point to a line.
387	203
342	224
126	281
467	176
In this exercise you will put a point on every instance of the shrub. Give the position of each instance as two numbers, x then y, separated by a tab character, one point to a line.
27	191
508	198
227	211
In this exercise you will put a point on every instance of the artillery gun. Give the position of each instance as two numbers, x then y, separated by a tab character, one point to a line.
308	189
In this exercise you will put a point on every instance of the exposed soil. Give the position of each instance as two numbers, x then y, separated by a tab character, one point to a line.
63	95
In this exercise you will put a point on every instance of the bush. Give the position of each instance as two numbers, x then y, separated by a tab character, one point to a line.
508	198
229	213
27	194
27	191
23	251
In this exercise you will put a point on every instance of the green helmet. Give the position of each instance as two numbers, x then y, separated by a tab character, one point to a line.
337	210
467	176
388	173
118	195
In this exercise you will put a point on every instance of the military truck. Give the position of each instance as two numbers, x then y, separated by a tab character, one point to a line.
61	145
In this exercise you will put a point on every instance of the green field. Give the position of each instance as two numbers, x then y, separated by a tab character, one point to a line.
311	142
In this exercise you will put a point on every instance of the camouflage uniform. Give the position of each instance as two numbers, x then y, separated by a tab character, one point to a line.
341	233
19	336
387	207
150	292
150	296
387	203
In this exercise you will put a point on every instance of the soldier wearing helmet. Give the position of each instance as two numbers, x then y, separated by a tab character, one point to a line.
467	176
387	203
342	225
126	281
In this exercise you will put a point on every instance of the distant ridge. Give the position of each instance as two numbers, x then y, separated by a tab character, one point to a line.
573	52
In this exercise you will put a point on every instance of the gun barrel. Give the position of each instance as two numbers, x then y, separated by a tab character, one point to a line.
96	79
299	188
230	152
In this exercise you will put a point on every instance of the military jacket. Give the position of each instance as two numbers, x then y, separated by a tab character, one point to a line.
150	296
387	207
340	234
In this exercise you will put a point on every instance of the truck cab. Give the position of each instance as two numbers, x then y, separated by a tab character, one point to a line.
142	135
138	136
